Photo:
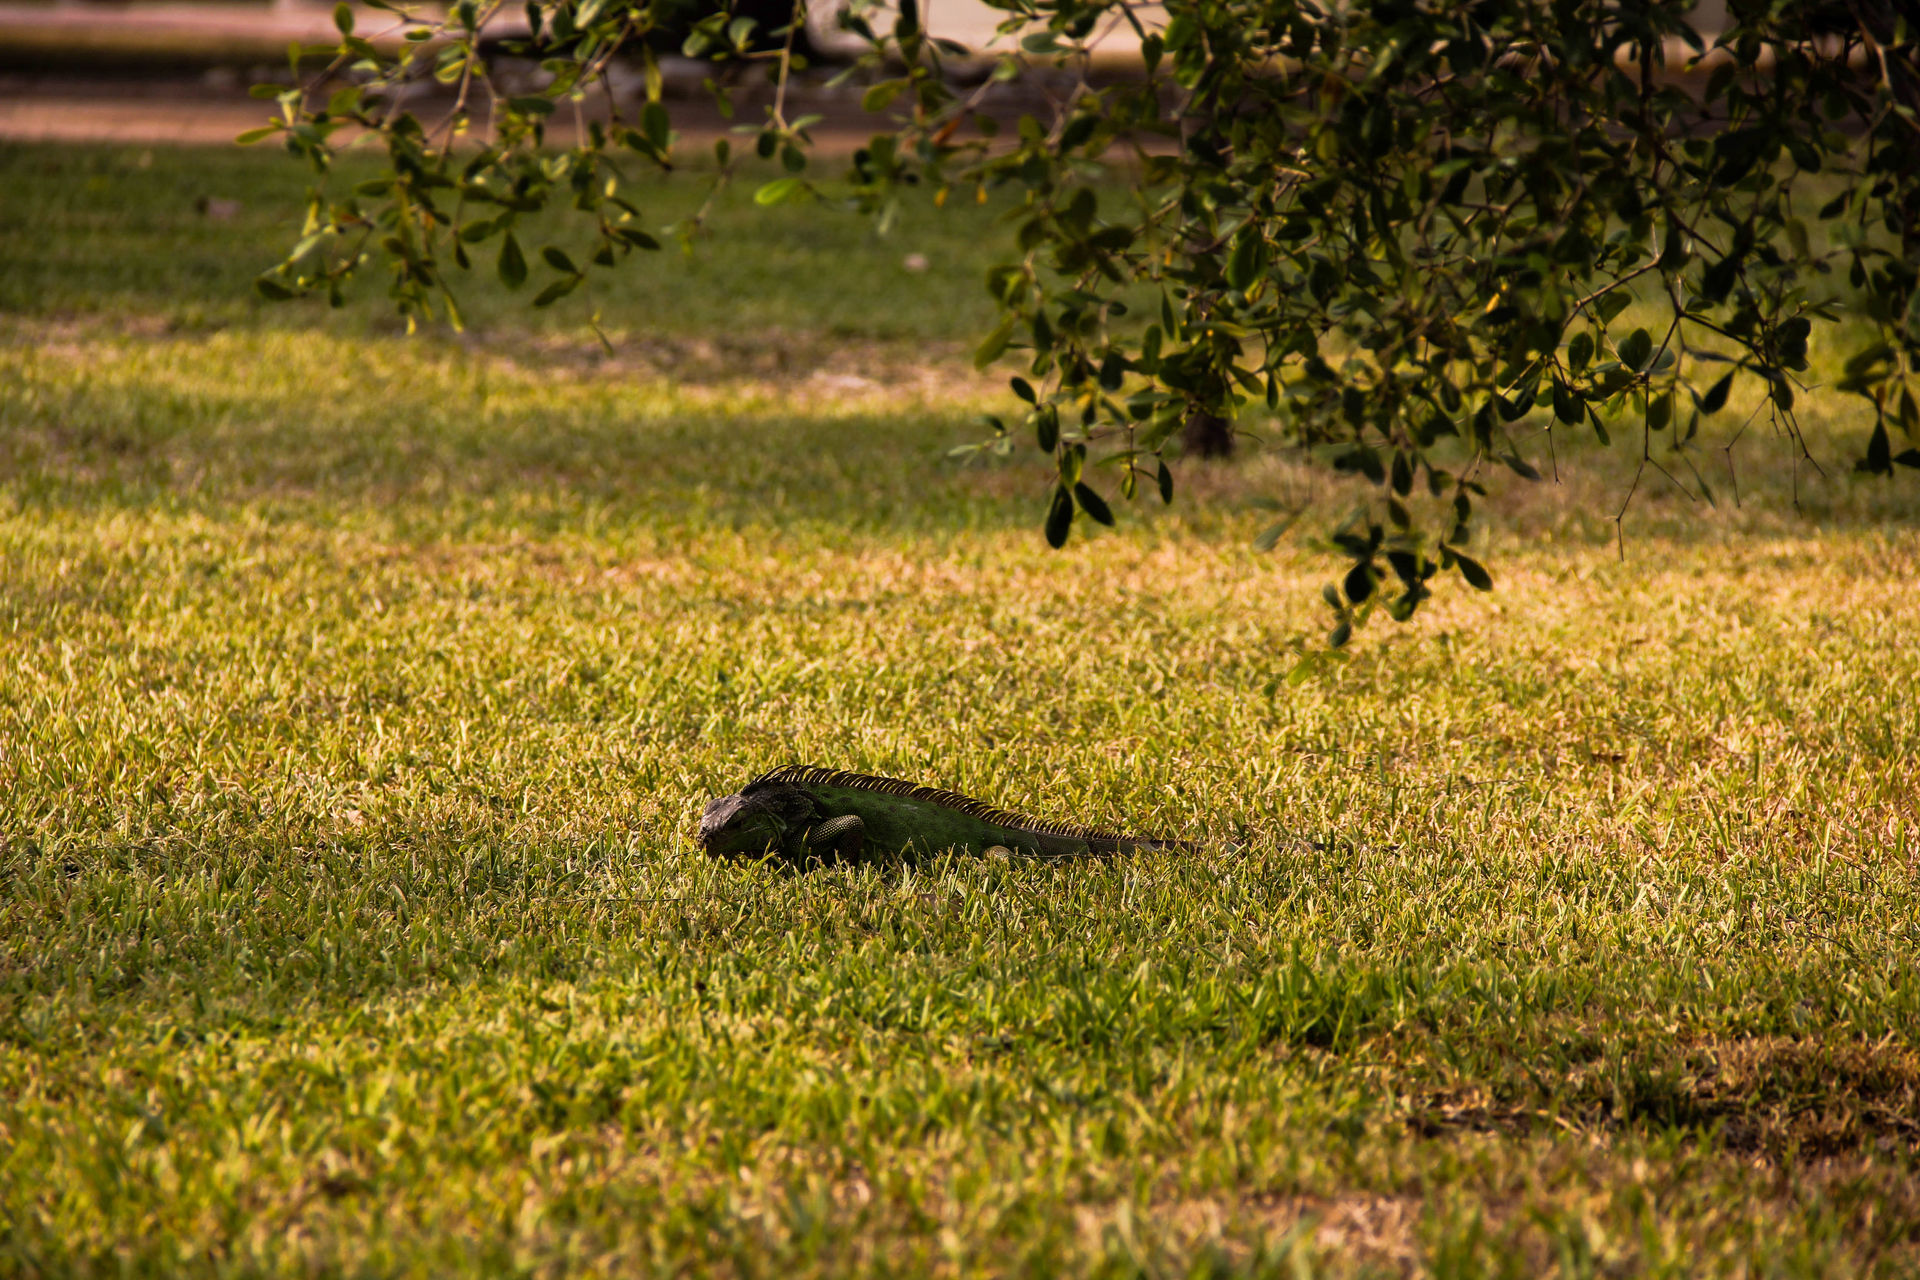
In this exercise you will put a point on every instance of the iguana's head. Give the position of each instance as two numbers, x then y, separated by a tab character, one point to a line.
765	817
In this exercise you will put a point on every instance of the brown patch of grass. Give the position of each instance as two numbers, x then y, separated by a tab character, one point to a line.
1784	1099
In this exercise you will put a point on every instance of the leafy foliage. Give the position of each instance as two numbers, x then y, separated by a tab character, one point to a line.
1409	237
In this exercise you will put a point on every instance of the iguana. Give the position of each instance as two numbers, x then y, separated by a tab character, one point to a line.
805	813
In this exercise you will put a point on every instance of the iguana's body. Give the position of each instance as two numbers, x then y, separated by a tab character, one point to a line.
803	812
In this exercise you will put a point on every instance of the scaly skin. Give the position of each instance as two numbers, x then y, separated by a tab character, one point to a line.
810	814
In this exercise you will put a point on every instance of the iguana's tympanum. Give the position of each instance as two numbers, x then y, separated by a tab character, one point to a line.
805	814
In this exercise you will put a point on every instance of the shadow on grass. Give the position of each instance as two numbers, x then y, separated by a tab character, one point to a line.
433	434
434	439
1782	1098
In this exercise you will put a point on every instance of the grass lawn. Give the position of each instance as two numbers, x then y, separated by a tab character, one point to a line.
358	695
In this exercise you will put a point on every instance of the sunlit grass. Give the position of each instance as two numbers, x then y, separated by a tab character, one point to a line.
357	698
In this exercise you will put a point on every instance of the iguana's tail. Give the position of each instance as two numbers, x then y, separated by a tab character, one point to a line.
1138	844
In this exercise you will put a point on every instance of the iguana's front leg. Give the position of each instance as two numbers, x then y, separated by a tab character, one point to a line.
835	840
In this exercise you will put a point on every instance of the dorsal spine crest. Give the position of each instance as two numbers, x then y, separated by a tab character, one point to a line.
804	775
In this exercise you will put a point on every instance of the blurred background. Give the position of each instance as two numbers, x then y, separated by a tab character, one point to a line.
178	70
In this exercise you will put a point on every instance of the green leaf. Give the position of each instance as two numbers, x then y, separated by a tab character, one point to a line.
1676	251
1244	263
1046	423
261	134
557	290
559	261
657	128
531	105
1402	473
1341	633
1880	451
1716	398
1717	280
1059	519
1579	351
1270	536
1023	389
1313	662
879	97
513	264
1636	349
1093	504
1473	571
1164	478
1567	404
343	18
994	343
1862	365
272	290
780	189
